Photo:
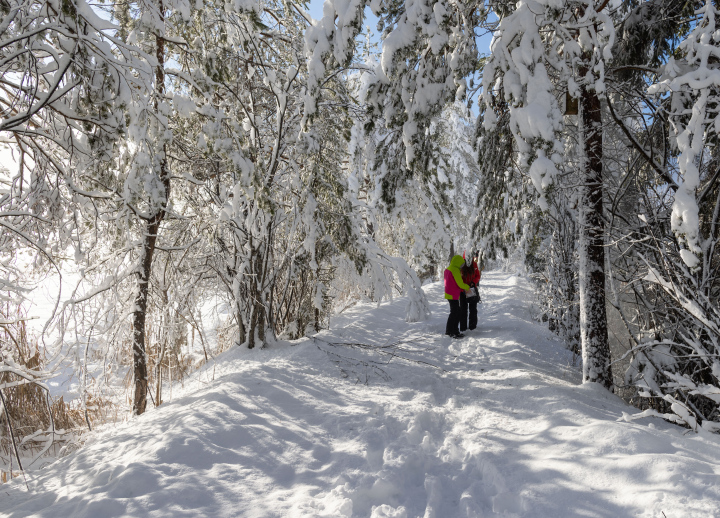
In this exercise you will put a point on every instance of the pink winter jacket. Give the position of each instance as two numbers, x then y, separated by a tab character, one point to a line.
451	287
453	279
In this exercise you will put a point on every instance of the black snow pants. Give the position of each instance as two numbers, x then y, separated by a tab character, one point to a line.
465	308
453	320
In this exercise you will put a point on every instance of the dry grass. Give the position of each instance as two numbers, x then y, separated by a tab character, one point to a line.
42	427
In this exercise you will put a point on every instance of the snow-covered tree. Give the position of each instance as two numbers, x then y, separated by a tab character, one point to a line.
541	50
122	196
278	199
671	257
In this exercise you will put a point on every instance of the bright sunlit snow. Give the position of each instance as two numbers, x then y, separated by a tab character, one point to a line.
495	424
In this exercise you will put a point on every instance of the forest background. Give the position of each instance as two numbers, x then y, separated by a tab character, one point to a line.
175	158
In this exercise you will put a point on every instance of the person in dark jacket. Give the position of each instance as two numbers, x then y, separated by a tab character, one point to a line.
469	301
454	286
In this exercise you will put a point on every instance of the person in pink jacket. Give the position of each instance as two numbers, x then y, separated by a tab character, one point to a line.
454	285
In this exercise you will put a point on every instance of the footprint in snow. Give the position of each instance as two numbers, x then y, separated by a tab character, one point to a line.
406	395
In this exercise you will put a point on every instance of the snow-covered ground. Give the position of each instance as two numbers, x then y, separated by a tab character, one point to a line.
495	424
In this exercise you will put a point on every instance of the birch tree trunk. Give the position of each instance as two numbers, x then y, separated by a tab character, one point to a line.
593	319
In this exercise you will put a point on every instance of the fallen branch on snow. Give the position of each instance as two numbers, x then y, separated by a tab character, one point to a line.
390	350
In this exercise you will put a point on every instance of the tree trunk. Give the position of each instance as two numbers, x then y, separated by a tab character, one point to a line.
152	226
260	262
158	375
139	356
593	319
239	312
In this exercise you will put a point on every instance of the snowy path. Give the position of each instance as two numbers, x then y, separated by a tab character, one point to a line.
497	426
